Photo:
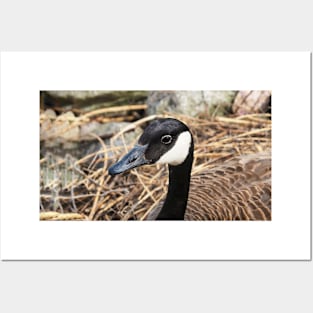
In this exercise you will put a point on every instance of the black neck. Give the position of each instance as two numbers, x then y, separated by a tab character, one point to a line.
178	188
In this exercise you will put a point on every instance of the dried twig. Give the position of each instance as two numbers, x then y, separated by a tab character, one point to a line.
137	193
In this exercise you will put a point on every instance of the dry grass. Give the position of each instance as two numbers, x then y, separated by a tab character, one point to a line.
90	193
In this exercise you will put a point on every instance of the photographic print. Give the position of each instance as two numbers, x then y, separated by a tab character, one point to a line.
183	155
155	156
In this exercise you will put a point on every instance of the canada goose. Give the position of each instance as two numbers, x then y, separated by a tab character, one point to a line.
239	189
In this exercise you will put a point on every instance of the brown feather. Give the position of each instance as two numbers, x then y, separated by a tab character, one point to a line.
239	189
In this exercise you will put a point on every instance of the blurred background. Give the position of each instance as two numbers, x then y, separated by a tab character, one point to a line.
83	132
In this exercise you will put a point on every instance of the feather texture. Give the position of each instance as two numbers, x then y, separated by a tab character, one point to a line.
239	189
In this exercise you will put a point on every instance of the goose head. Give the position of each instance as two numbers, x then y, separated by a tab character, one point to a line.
164	141
169	141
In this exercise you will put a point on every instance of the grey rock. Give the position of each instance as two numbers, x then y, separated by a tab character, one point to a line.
190	103
77	94
252	101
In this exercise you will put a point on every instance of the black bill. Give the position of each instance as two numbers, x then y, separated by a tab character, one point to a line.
134	158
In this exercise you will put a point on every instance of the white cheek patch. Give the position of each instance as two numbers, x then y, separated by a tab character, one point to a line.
179	152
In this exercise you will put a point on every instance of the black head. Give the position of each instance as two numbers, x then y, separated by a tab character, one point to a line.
165	140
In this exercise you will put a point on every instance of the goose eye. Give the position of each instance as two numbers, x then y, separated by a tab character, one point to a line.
166	139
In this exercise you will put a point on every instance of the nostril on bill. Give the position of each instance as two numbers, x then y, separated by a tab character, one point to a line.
131	160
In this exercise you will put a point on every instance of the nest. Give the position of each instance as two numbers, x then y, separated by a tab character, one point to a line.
83	190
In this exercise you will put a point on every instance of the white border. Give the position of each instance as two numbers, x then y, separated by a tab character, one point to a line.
23	236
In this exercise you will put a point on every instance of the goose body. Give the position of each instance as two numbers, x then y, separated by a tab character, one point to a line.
239	189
